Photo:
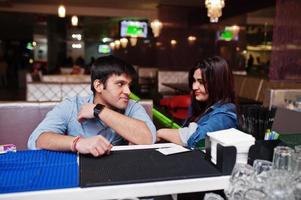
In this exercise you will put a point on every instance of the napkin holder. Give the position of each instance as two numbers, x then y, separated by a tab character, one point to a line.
225	156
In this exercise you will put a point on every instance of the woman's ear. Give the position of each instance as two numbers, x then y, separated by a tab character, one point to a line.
98	86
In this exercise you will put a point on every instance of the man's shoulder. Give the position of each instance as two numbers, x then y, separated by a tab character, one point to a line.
74	101
133	104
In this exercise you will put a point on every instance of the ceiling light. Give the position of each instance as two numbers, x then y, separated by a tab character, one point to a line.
112	45
124	42
117	44
61	11
156	26
133	41
74	20
173	42
191	39
214	9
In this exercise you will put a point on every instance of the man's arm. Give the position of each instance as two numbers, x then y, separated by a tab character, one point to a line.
96	145
133	130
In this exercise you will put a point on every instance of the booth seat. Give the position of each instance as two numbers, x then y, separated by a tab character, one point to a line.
257	90
19	119
55	91
167	77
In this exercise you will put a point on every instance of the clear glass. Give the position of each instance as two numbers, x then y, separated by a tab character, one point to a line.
240	181
212	196
298	149
296	163
254	193
282	158
261	166
279	185
297	191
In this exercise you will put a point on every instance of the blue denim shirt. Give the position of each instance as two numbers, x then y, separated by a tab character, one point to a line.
218	117
62	119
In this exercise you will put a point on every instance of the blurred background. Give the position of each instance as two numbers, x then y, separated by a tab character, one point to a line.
48	45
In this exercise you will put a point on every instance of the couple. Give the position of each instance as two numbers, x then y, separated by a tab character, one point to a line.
91	125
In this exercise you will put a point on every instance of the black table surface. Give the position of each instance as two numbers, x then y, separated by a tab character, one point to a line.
143	165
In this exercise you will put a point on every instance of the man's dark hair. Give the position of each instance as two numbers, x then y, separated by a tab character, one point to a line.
218	82
106	66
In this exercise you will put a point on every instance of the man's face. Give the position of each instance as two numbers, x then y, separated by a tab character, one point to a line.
116	91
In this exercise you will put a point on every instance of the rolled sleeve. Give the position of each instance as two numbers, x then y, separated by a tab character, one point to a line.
55	121
186	132
215	122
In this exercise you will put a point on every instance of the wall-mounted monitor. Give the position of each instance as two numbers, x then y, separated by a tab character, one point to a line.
104	49
230	33
133	28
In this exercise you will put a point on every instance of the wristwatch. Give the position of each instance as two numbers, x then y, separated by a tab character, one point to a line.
97	109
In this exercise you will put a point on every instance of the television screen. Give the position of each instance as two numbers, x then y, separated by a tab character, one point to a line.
104	49
228	34
131	28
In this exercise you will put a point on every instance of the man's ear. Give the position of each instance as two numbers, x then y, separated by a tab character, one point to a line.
98	86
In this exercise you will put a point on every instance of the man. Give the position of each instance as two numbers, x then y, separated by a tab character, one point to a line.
93	124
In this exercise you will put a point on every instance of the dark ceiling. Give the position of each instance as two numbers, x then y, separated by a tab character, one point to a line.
233	7
16	15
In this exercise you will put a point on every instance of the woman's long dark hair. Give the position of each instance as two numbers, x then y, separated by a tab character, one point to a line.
218	82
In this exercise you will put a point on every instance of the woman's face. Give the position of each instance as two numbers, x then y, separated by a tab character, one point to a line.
198	86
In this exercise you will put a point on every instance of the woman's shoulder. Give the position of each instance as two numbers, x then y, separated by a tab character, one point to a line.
224	107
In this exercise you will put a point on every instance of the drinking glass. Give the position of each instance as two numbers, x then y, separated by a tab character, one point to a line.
280	185
298	149
261	166
296	163
297	191
212	196
282	158
240	181
255	193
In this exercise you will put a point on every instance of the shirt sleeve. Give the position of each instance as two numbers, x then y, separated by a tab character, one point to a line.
55	121
138	112
215	122
186	132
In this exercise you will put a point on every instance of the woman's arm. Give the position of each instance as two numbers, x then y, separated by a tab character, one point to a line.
170	135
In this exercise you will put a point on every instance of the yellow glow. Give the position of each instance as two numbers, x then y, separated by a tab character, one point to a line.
74	20
61	11
173	42
156	26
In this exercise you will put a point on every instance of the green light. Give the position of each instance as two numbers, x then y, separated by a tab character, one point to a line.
29	46
226	35
103	48
133	30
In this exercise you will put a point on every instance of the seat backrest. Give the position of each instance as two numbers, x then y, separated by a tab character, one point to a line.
19	119
180	101
148	106
171	77
287	121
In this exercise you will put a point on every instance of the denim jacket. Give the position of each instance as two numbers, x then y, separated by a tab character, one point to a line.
218	117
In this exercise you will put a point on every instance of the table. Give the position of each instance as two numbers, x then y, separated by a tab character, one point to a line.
180	87
127	190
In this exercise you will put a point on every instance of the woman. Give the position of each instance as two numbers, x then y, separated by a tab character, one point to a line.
212	106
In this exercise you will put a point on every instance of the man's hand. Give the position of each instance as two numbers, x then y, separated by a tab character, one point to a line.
96	145
86	112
